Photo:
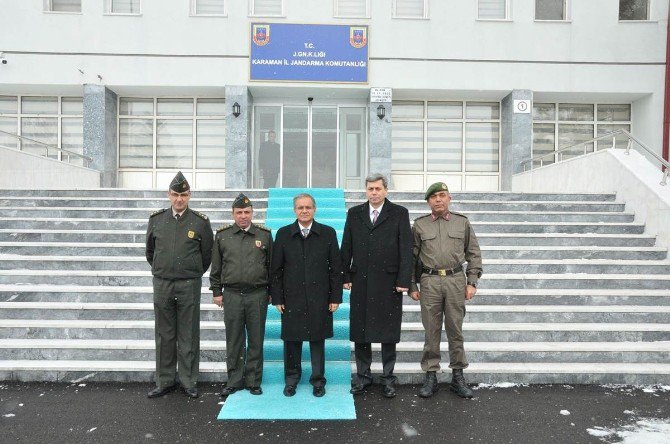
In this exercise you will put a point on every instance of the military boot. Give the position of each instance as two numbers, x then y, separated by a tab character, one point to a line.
458	384
430	386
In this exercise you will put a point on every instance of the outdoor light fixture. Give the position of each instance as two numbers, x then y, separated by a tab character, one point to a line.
381	111
236	109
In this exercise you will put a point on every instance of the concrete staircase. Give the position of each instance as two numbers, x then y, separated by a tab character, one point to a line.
574	291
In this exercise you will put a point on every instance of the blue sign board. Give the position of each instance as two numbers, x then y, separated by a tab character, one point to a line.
309	53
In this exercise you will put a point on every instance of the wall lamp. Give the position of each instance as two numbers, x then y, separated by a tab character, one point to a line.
381	111
236	109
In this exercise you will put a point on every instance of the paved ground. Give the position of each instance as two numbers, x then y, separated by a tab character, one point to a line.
113	412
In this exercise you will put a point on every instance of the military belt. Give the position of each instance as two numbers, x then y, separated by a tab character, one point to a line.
243	290
442	271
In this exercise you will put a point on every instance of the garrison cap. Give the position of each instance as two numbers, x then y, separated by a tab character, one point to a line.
434	188
179	184
242	201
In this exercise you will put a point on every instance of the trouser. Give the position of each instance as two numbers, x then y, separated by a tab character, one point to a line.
177	320
293	358
363	353
244	316
443	298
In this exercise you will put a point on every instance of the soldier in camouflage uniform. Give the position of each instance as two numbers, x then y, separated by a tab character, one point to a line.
239	279
179	249
443	242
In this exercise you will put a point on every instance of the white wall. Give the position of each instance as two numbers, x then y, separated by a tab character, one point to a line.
29	171
634	179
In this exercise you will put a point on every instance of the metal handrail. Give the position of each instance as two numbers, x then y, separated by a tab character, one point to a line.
613	134
87	160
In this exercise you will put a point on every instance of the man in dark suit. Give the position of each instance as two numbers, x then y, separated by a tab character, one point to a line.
377	260
306	289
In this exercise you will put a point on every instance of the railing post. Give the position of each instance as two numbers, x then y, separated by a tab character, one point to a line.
628	146
614	142
665	177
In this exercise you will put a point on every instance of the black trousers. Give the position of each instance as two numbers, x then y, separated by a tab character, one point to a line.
363	352
293	358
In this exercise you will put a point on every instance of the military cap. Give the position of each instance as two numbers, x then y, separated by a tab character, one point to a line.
434	188
179	184
241	201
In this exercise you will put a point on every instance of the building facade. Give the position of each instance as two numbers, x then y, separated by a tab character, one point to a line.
147	87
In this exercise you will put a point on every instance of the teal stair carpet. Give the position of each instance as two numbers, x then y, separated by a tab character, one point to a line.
272	404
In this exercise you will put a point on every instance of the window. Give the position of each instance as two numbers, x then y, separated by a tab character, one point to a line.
123	7
267	8
208	7
62	5
352	8
55	121
556	10
189	134
410	9
559	125
430	139
493	10
633	9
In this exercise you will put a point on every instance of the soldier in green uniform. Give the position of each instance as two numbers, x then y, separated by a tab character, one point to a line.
179	249
443	242
240	278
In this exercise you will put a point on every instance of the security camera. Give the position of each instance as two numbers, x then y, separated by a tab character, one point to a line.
2	57
309	99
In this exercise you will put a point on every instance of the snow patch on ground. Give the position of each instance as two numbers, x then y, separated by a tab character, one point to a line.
643	431
498	385
408	430
9	415
564	412
644	388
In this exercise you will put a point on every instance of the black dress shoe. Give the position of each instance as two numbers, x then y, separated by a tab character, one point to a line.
192	392
256	391
319	391
359	388
227	391
289	390
389	391
161	391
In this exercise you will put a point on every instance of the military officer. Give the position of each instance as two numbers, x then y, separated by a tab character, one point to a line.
443	242
239	279
179	249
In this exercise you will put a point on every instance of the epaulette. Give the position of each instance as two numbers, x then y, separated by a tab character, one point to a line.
421	217
223	227
163	210
200	215
458	214
263	227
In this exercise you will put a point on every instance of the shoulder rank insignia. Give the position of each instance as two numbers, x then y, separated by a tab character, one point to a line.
163	210
263	227
200	215
422	217
223	228
458	214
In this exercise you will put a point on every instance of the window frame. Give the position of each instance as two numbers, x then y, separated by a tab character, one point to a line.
647	20
48	8
567	16
426	12
508	13
252	12
108	10
339	16
193	10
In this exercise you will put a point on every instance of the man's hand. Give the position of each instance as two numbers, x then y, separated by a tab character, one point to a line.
470	292
218	300
333	307
280	308
347	286
415	295
401	289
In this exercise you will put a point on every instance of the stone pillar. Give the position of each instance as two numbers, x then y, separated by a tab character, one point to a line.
517	136
379	140
100	132
238	137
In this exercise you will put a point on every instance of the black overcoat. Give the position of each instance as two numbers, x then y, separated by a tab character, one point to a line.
306	277
377	259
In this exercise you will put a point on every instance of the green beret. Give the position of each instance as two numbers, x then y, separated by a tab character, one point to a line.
179	184
242	201
434	188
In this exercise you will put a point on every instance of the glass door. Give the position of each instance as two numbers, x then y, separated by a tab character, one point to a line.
352	147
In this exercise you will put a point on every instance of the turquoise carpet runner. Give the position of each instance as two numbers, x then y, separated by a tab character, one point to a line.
272	404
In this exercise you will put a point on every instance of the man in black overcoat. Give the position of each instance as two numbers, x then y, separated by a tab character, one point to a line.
306	288
377	260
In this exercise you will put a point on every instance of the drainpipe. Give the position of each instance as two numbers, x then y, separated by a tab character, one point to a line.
666	105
